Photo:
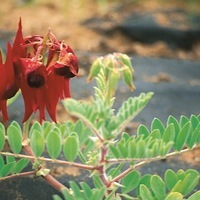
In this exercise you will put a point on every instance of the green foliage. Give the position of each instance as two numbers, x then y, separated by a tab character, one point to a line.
97	142
14	134
11	165
84	191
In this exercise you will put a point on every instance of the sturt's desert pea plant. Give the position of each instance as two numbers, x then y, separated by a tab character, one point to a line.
40	67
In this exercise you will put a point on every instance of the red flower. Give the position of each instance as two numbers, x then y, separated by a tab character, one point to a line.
8	84
33	87
43	80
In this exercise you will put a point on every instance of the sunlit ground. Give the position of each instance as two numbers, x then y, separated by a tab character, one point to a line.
65	19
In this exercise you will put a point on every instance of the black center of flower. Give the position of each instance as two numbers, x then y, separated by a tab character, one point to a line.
35	80
64	71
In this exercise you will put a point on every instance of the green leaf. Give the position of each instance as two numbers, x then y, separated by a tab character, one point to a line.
183	120
194	121
87	190
158	186
155	134
14	138
194	137
114	151
195	196
76	189
142	130
130	181
182	136
67	194
122	149
10	159
174	196
145	193
70	148
113	172
53	144
172	120
78	126
20	165
1	162
157	124
132	149
141	149
187	181
192	182
169	133
37	143
97	181
6	169
145	180
35	127
170	179
2	136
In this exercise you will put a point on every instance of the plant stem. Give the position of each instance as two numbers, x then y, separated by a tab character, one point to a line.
26	129
101	170
49	178
18	175
146	161
32	158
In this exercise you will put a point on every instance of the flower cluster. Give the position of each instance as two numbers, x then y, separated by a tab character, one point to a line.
41	66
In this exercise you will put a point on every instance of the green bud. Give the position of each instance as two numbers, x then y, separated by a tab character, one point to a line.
108	62
95	68
126	61
128	78
113	81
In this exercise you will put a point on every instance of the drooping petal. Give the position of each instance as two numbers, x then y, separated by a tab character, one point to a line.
52	95
33	87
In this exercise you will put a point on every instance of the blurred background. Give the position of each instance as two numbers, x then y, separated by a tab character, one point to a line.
159	28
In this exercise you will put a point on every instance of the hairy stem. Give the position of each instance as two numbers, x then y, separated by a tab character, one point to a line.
50	179
143	162
18	175
32	158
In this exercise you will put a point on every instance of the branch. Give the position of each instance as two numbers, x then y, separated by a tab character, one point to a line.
32	158
145	161
18	175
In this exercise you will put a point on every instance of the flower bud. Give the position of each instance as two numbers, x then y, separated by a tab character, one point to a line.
126	61
95	68
113	81
128	78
